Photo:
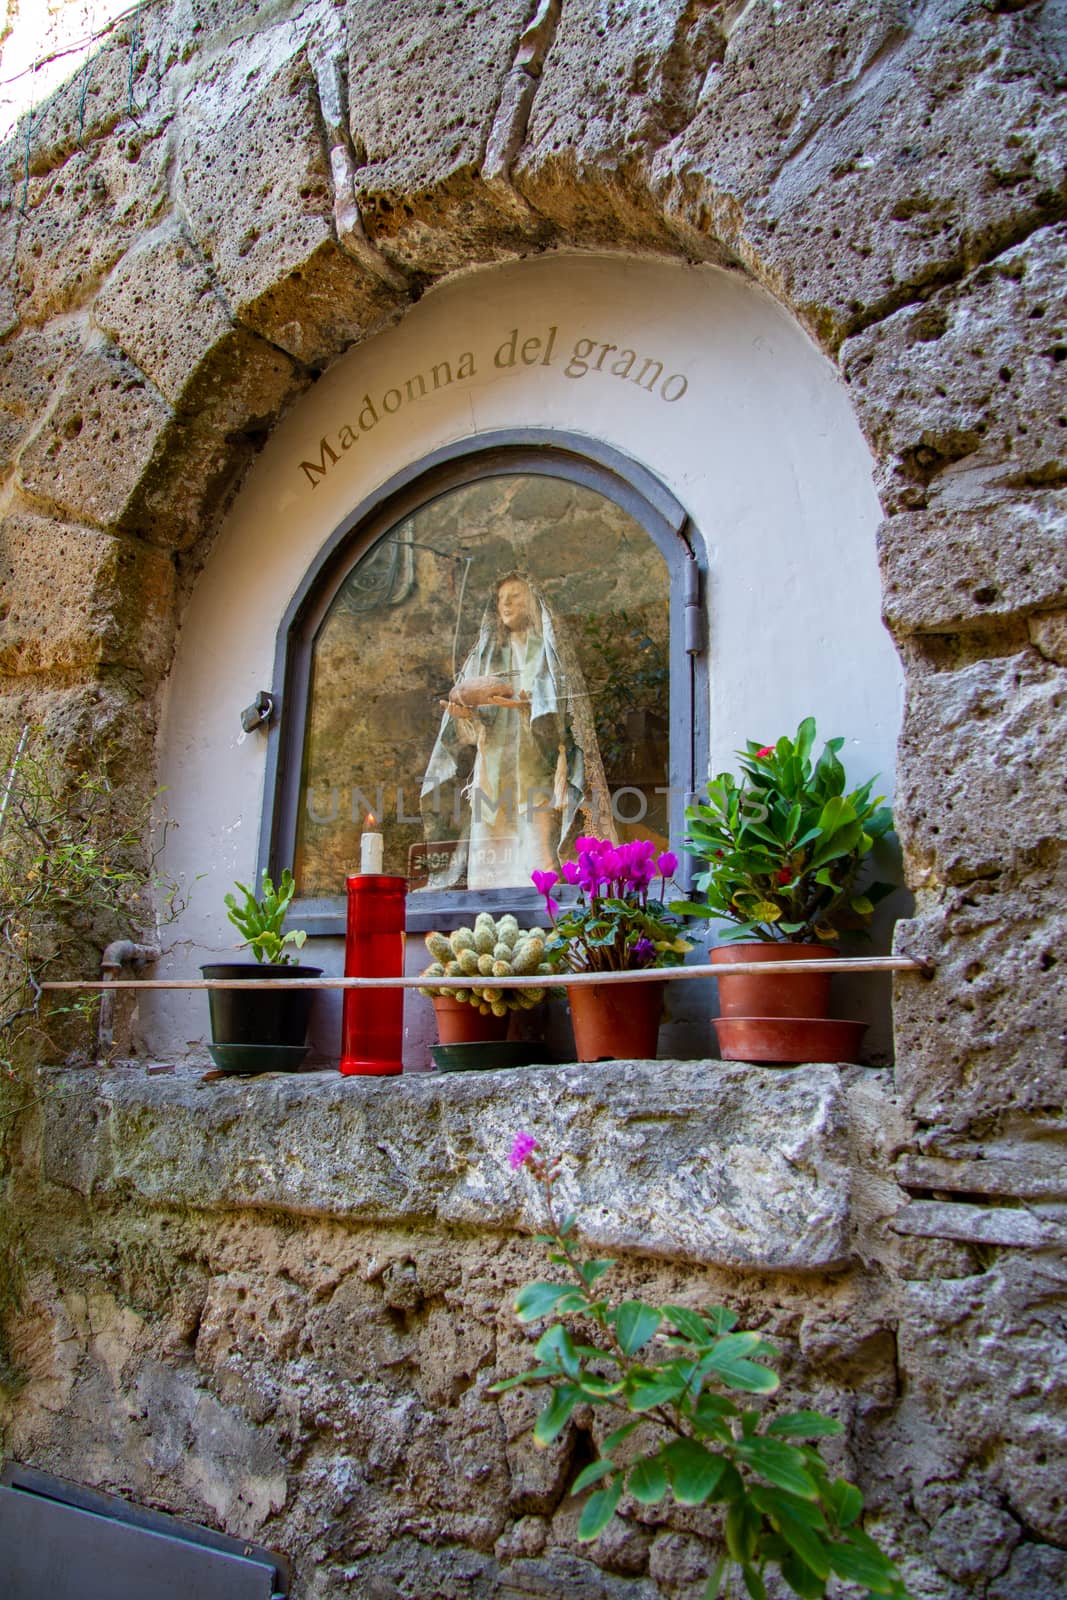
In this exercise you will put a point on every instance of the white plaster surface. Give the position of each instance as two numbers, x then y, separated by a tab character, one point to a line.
762	449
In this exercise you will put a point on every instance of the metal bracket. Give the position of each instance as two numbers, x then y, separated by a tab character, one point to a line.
259	713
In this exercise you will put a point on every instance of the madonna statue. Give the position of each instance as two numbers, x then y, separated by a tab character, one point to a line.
517	738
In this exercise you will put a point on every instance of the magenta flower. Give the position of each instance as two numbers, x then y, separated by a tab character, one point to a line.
524	1147
571	872
667	864
543	882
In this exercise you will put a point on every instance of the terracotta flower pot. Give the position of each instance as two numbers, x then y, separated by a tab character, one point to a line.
460	1023
788	1040
616	1021
773	994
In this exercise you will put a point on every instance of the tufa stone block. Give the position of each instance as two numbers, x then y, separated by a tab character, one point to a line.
825	148
984	1036
161	307
81	218
999	424
257	191
668	1159
975	783
33	369
106	413
960	569
77	599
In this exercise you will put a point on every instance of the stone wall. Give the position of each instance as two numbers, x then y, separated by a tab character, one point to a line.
229	199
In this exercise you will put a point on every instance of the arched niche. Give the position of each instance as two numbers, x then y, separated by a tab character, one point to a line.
726	405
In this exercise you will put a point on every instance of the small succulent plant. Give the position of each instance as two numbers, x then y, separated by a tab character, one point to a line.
493	948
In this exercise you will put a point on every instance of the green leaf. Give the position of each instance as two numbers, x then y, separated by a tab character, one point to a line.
781	1464
647	1481
599	1510
554	1418
801	1579
651	1389
691	1323
598	1388
795	1528
846	1500
754	1583
635	1323
554	1348
742	1530
593	1271
805	1425
523	1377
536	1300
592	1474
860	1559
694	1471
715	1577
728	1360
722	1319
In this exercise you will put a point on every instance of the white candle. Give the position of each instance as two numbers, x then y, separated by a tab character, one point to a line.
371	848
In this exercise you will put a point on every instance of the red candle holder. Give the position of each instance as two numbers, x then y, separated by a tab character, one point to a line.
372	1028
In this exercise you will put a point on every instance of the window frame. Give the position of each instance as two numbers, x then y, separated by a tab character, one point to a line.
577	458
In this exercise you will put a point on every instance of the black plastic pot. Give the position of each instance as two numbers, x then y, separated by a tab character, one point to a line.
259	1016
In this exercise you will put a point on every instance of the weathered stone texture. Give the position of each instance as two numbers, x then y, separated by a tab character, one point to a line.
116	83
1036	1572
98	441
975	784
32	370
985	1034
1002	333
725	1196
256	188
79	220
420	134
965	1348
322	1383
413	124
74	598
164	266
954	570
829	141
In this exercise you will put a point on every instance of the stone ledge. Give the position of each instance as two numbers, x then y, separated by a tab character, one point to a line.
719	1165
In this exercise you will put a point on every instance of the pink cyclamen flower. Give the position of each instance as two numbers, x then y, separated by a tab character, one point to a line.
667	863
543	882
571	872
524	1147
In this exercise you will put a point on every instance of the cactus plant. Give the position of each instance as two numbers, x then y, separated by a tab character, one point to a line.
493	948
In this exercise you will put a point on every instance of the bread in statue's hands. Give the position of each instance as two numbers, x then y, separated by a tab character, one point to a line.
471	693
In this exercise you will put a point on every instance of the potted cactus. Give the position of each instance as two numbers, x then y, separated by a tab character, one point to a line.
493	948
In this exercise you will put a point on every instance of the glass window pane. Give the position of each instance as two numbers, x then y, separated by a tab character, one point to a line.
490	682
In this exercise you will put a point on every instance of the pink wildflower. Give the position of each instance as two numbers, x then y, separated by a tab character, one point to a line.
524	1147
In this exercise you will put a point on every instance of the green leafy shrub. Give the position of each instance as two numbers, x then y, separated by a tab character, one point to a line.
784	849
675	1372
